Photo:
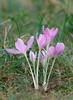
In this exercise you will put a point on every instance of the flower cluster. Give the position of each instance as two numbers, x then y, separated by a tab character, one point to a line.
43	56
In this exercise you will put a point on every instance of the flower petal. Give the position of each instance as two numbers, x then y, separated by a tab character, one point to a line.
41	40
37	37
43	29
19	44
55	32
32	56
52	29
59	48
49	33
12	51
51	51
30	42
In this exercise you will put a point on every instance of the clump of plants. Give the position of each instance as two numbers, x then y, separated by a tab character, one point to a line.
43	56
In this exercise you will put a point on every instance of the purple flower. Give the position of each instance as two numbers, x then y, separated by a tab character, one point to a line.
41	40
51	51
49	33
32	56
59	49
21	48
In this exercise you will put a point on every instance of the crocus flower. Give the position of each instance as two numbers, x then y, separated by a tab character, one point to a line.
41	40
59	49
49	33
32	56
21	48
51	52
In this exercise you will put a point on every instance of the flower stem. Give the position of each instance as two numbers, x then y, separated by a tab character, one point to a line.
45	73
50	73
46	68
38	67
47	46
35	73
31	72
34	67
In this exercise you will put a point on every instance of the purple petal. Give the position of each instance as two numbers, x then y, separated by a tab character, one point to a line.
41	40
37	39
52	29
30	42
48	40
59	48
47	30
32	56
53	33
49	33
43	29
51	51
19	44
12	51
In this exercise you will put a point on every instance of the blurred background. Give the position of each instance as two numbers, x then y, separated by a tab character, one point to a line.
35	13
23	18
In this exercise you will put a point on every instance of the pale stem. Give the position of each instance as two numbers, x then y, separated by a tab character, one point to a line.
31	71
50	73
45	73
38	67
34	67
46	68
47	47
6	31
34	72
